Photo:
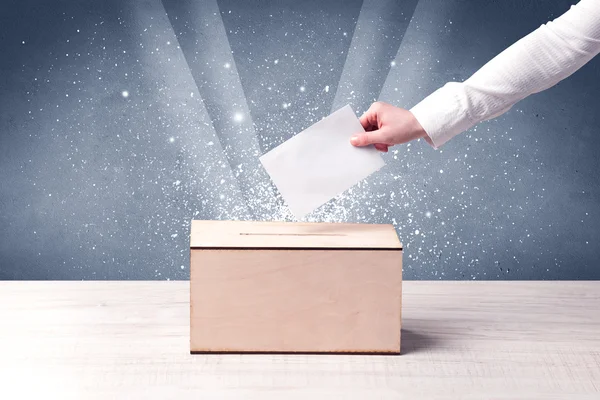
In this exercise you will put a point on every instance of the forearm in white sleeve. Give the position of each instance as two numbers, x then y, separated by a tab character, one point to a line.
535	63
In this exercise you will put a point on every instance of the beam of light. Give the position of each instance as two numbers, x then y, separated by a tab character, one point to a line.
210	184
287	53
379	32
417	67
202	37
389	74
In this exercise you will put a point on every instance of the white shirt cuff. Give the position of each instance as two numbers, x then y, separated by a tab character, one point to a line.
442	115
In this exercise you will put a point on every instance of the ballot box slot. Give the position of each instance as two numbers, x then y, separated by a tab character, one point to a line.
292	234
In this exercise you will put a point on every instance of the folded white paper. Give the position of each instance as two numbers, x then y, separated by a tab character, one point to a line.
319	163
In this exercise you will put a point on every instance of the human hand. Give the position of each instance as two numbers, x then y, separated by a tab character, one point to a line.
386	125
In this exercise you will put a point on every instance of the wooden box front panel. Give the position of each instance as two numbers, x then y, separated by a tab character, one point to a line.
295	300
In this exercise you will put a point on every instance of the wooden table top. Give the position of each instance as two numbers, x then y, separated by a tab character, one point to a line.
461	340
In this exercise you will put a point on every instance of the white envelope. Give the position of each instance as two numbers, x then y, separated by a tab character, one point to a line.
319	163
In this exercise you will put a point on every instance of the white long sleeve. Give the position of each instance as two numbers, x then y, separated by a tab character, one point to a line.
536	62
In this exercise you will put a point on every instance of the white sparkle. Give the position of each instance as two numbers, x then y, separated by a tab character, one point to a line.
238	117
428	214
302	88
222	196
393	63
125	94
227	65
327	89
441	171
417	232
168	42
285	105
276	61
171	139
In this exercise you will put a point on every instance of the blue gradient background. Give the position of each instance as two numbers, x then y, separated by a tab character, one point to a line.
120	121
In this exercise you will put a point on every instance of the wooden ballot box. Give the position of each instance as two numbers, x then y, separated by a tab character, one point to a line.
262	287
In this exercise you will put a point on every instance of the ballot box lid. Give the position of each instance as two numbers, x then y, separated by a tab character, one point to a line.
292	235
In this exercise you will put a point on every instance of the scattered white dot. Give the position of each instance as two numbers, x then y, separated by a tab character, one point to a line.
441	171
168	42
238	117
191	94
171	139
416	232
23	42
222	196
182	267
393	63
276	61
302	88
227	65
327	89
428	214
286	105
125	94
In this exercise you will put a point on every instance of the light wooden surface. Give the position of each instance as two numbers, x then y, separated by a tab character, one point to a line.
310	301
461	340
260	234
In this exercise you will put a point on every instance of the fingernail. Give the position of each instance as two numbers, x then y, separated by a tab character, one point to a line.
354	140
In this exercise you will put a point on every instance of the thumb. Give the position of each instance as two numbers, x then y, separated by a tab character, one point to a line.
366	138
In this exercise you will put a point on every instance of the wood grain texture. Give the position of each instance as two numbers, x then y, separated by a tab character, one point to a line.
461	340
260	234
309	301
